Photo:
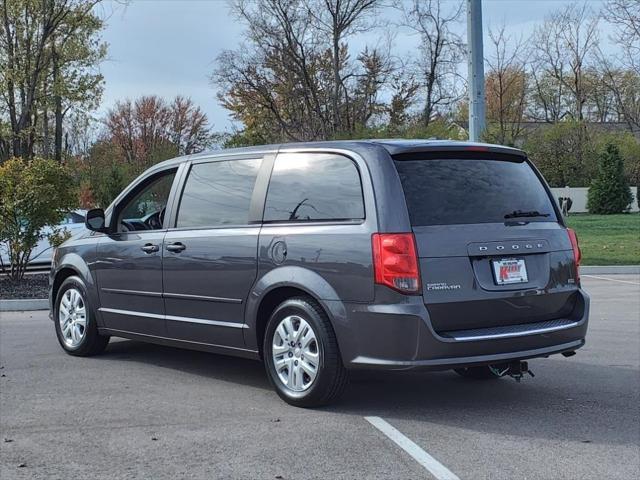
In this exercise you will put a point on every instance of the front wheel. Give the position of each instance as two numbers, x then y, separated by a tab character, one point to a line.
75	321
301	354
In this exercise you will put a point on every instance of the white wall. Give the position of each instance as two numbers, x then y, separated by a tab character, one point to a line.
579	197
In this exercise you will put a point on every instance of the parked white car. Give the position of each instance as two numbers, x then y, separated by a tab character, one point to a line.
41	255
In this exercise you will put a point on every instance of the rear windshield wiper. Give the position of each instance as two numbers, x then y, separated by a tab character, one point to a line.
523	214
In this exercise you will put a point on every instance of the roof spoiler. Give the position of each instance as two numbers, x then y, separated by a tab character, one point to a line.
470	152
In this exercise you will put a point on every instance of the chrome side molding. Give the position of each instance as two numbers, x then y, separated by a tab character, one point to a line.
174	318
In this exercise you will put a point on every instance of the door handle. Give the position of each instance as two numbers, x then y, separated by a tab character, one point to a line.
150	248
176	247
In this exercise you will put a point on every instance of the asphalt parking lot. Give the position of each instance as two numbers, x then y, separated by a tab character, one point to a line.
145	411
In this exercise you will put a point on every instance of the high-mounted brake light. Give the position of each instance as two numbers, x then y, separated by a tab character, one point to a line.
477	148
395	261
577	254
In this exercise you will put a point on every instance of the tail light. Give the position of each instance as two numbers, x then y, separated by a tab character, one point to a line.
577	254
395	261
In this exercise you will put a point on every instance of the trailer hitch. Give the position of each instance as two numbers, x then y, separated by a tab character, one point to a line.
518	369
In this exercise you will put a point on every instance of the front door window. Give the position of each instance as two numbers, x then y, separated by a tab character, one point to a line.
146	209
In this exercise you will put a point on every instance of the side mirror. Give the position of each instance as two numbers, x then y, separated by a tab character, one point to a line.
95	220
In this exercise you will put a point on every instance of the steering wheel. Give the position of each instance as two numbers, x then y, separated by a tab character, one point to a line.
154	221
161	216
126	226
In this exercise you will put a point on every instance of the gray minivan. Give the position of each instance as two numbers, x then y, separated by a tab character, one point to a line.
319	258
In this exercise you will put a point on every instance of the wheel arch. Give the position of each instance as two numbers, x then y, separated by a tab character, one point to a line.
278	285
268	304
70	265
60	276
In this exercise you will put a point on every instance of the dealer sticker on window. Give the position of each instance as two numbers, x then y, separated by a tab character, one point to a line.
509	270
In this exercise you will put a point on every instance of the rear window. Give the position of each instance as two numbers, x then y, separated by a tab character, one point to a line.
448	192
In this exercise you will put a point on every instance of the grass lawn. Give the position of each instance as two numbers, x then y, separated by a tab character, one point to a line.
608	239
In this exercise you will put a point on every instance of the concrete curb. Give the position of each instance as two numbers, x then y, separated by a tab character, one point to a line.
611	270
24	304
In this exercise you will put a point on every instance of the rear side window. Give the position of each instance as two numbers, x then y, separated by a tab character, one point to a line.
218	193
447	192
313	187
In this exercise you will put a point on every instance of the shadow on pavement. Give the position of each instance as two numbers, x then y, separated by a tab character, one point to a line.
208	365
567	400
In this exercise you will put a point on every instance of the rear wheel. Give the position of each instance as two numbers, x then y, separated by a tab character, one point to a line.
75	321
301	354
484	372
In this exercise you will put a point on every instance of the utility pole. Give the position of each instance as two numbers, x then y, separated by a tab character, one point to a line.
475	77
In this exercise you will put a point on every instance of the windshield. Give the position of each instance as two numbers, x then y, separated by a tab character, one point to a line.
447	192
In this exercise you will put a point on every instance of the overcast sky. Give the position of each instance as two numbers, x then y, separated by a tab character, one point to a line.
168	47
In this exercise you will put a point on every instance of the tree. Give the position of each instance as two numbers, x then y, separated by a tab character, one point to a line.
405	90
565	42
621	74
270	83
625	16
76	83
506	88
294	78
139	128
601	100
624	86
629	148
49	50
548	99
441	53
103	174
609	192
149	129
33	194
81	132
564	152
137	134
188	129
339	19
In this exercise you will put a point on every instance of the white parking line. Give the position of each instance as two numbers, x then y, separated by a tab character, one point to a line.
611	279
419	455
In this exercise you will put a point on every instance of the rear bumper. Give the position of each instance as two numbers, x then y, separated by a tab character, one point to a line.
400	336
457	362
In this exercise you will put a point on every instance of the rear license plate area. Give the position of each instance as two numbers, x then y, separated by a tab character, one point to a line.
509	271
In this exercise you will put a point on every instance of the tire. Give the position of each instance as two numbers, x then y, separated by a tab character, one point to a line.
74	338
292	379
484	372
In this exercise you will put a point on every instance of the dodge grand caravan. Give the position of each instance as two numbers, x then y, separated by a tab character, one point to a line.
319	258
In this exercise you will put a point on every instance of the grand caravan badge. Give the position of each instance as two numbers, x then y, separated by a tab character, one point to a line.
442	286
